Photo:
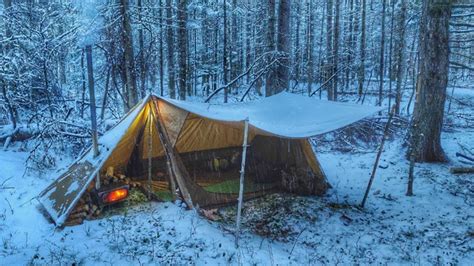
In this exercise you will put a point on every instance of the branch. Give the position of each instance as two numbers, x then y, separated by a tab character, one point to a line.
251	84
238	77
461	65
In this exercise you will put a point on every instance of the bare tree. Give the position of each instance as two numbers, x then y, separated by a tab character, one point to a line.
170	45
270	44
283	47
400	54
182	48
382	53
129	58
361	76
432	81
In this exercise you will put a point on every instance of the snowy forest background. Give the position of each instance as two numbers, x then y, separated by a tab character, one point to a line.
362	51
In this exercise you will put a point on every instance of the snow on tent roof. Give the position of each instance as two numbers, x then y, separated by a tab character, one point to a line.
285	114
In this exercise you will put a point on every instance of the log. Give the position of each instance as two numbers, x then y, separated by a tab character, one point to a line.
462	170
80	208
77	215
74	222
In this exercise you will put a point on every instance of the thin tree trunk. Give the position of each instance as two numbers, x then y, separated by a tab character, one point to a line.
161	48
329	48
335	60
182	43
400	55
361	77
224	54
170	44
390	55
382	54
90	78
309	46
270	43
143	70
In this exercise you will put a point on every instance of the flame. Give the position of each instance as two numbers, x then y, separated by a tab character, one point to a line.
116	195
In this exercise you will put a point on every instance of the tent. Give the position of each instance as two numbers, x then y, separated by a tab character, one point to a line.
197	151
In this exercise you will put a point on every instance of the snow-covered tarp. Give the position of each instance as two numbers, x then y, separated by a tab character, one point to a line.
285	114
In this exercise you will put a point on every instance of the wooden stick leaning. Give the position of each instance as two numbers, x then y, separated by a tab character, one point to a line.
242	175
377	159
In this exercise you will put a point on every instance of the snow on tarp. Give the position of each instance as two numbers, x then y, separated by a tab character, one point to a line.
285	114
59	198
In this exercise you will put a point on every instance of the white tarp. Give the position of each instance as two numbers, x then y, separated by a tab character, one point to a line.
285	114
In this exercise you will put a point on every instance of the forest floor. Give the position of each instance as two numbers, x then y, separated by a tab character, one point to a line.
435	226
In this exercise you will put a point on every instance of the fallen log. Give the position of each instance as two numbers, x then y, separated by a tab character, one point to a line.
462	170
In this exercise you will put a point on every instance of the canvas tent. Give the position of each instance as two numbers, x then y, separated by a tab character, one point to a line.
194	150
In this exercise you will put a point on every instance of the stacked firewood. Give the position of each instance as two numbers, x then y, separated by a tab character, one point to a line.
86	208
111	178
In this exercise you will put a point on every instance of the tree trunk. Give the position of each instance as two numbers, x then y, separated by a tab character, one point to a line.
182	43
161	48
90	78
329	49
309	46
361	76
283	46
270	43
170	44
129	68
400	55
143	70
335	57
432	81
297	42
224	54
382	54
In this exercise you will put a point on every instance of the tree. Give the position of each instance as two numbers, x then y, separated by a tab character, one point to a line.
329	48
361	76
335	56
170	44
129	58
283	46
400	54
432	81
270	44
182	48
224	54
309	46
382	54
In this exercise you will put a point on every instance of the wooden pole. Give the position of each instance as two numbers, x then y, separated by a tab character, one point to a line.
90	78
242	175
175	173
150	149
379	153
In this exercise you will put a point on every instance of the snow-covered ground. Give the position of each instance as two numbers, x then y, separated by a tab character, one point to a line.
436	226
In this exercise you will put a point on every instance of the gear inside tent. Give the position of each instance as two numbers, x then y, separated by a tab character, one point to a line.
199	152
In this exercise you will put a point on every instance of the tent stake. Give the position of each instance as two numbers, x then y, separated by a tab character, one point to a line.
242	175
379	153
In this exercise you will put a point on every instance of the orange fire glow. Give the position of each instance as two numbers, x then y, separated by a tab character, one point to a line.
116	195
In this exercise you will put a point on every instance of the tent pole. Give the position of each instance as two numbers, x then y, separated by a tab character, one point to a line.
150	149
242	175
